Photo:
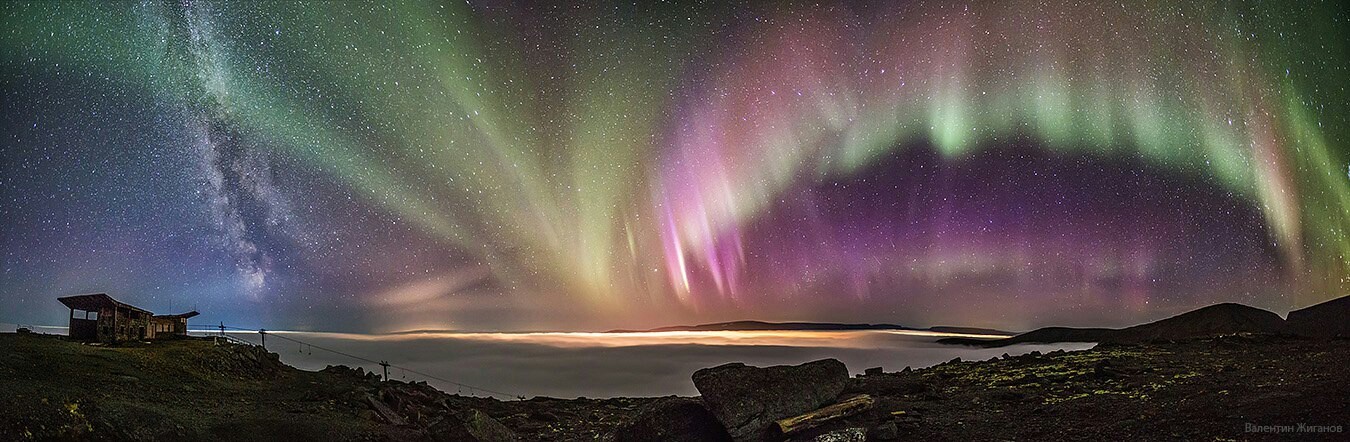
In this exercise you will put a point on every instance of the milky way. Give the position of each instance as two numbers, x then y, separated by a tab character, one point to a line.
387	165
246	207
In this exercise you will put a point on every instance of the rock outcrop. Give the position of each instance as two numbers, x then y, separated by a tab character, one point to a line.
475	426
486	429
747	400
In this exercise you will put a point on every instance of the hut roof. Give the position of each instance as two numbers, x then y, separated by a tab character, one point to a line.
98	301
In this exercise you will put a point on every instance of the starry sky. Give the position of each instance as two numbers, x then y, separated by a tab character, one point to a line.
382	166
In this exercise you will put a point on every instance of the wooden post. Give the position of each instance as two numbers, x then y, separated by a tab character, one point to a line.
263	334
385	364
849	407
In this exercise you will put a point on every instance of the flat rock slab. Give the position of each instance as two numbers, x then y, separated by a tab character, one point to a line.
748	400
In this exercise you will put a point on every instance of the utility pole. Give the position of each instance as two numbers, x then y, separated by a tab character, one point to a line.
263	333
385	364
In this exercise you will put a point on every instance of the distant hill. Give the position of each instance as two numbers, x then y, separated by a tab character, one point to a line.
1331	318
816	326
1039	336
761	325
1218	319
967	330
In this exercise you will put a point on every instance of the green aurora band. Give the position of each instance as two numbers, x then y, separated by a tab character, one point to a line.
602	152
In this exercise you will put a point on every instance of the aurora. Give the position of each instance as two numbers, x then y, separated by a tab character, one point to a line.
388	166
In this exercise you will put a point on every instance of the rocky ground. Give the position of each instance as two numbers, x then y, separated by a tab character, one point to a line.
1201	389
1208	389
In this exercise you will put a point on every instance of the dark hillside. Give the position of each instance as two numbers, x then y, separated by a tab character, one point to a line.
1214	320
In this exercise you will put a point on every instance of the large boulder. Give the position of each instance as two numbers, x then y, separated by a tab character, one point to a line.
487	429
449	429
1328	319
747	400
475	426
674	420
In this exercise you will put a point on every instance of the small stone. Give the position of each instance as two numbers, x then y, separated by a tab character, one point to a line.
546	416
886	431
844	435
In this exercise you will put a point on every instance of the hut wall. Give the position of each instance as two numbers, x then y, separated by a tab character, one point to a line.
122	325
83	329
162	327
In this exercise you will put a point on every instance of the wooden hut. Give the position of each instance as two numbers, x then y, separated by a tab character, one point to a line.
99	317
169	325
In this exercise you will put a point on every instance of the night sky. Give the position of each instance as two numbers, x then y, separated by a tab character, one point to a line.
383	166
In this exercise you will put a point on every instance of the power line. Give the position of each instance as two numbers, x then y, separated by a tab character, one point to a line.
373	361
